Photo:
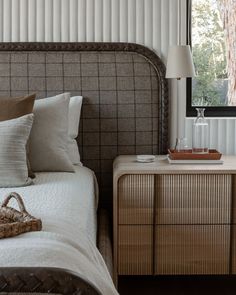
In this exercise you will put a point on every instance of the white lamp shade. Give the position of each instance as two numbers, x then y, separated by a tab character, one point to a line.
180	62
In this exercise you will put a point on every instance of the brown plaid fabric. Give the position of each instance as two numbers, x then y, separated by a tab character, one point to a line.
121	107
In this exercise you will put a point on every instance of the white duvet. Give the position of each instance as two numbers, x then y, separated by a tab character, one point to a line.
66	203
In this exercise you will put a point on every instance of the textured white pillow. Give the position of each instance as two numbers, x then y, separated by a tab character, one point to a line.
14	135
49	136
74	118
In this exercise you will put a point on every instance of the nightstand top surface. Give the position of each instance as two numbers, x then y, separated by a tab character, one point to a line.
129	165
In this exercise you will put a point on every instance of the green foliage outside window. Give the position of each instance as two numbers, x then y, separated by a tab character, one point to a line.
209	54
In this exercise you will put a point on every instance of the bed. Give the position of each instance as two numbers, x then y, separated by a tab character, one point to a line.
125	111
67	204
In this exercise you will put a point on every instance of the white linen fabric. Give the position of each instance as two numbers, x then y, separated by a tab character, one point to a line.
74	118
14	135
67	205
48	144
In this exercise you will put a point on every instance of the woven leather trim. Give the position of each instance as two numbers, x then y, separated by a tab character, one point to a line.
44	280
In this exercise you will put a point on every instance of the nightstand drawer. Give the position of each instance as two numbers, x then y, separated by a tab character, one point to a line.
136	199
192	249
135	250
193	199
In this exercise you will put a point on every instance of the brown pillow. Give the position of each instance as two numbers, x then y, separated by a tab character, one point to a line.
14	107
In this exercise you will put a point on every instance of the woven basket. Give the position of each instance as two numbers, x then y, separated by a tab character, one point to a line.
13	222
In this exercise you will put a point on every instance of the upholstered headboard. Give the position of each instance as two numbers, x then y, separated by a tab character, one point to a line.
125	107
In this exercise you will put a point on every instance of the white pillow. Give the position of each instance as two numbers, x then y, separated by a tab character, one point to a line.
74	118
48	144
14	135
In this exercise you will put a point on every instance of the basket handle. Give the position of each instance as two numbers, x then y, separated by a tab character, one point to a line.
19	200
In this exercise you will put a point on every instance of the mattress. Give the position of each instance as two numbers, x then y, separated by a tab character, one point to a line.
67	204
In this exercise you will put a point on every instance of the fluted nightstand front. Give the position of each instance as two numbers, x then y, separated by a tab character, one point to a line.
173	219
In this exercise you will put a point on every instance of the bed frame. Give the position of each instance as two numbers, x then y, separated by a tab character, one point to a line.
125	111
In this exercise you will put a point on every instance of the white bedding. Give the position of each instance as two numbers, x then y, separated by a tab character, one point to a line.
66	203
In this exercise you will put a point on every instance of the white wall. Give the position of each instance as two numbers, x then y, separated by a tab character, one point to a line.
154	23
222	134
150	22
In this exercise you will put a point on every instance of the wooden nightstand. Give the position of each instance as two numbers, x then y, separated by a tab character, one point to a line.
174	219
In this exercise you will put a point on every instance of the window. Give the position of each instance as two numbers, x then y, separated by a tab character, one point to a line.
209	31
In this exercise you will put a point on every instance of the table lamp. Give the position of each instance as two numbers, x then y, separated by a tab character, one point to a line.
179	65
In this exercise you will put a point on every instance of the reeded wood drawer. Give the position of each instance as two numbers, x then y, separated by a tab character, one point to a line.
136	199
135	250
193	199
234	200
192	249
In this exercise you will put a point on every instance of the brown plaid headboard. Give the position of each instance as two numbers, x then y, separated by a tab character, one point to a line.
125	106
